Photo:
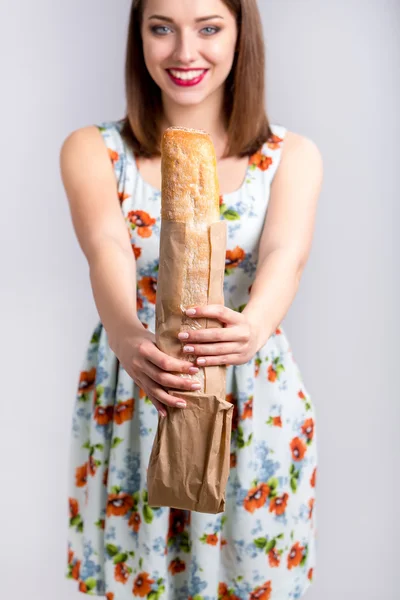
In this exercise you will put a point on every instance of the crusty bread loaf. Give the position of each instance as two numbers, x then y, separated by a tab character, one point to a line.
190	195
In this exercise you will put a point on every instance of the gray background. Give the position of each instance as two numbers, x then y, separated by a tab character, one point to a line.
333	76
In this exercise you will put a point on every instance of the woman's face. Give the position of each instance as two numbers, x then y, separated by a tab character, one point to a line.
188	46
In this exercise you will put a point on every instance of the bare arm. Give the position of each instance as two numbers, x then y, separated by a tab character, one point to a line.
92	192
287	236
91	188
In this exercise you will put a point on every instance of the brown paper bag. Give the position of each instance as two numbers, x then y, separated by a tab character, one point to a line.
189	462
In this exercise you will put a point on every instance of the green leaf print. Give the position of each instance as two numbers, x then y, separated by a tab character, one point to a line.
99	446
152	595
160	581
115	489
293	484
112	549
308	406
304	558
136	498
116	442
280	536
119	558
229	271
271	544
292	469
184	542
260	543
147	513
84	397
145	496
231	215
99	390
273	483
140	563
241	309
90	583
75	521
95	338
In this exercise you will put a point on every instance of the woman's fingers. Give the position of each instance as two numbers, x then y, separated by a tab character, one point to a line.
153	391
168	380
165	362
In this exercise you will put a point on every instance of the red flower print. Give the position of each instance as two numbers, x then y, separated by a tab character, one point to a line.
260	160
308	429
81	474
135	521
110	596
122	196
278	504
225	594
105	477
256	498
76	570
114	156
278	331
301	395
87	380
142	585
123	411
234	257
176	566
142	222
233	460
295	555
121	573
257	364
73	508
248	409
137	251
92	466
273	558
212	539
82	587
148	287
313	479
298	448
103	415
274	142
119	504
177	522
263	592
277	421
310	574
272	374
311	506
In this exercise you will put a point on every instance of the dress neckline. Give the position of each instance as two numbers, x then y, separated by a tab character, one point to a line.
227	194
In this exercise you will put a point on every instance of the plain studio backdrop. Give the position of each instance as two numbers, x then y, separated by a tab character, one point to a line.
332	75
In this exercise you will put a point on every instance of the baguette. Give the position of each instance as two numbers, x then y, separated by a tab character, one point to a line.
189	196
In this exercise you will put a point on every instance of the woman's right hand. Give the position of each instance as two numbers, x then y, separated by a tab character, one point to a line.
151	369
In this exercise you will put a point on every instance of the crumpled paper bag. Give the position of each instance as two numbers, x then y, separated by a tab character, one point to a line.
190	457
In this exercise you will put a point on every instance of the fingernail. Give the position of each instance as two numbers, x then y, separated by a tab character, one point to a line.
193	370
191	311
188	348
183	335
195	386
181	404
201	361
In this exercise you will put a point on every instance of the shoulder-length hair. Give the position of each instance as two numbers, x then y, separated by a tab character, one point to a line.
246	124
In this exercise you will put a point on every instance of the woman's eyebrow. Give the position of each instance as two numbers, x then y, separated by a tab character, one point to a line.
162	18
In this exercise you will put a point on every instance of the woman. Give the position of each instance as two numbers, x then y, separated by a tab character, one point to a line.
197	64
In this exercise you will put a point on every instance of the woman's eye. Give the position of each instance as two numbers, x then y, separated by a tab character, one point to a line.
160	29
210	30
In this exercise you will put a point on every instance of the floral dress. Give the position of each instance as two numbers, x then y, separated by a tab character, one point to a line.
263	546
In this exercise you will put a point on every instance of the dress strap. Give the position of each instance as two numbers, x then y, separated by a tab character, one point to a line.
272	150
120	155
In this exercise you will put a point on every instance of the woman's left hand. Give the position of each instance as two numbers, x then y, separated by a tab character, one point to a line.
233	344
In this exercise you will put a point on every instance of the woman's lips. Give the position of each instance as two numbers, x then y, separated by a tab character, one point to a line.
186	78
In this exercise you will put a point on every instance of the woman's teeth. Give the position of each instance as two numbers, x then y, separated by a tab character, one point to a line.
187	75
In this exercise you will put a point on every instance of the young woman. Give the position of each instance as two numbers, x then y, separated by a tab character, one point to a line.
197	64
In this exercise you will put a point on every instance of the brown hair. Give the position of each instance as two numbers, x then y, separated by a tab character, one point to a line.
247	125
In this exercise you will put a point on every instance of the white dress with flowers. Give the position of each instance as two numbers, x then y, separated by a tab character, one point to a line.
263	546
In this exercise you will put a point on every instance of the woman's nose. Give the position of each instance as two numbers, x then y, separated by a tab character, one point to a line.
185	50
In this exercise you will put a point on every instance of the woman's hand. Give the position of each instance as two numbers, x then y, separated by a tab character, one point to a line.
152	369
233	344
